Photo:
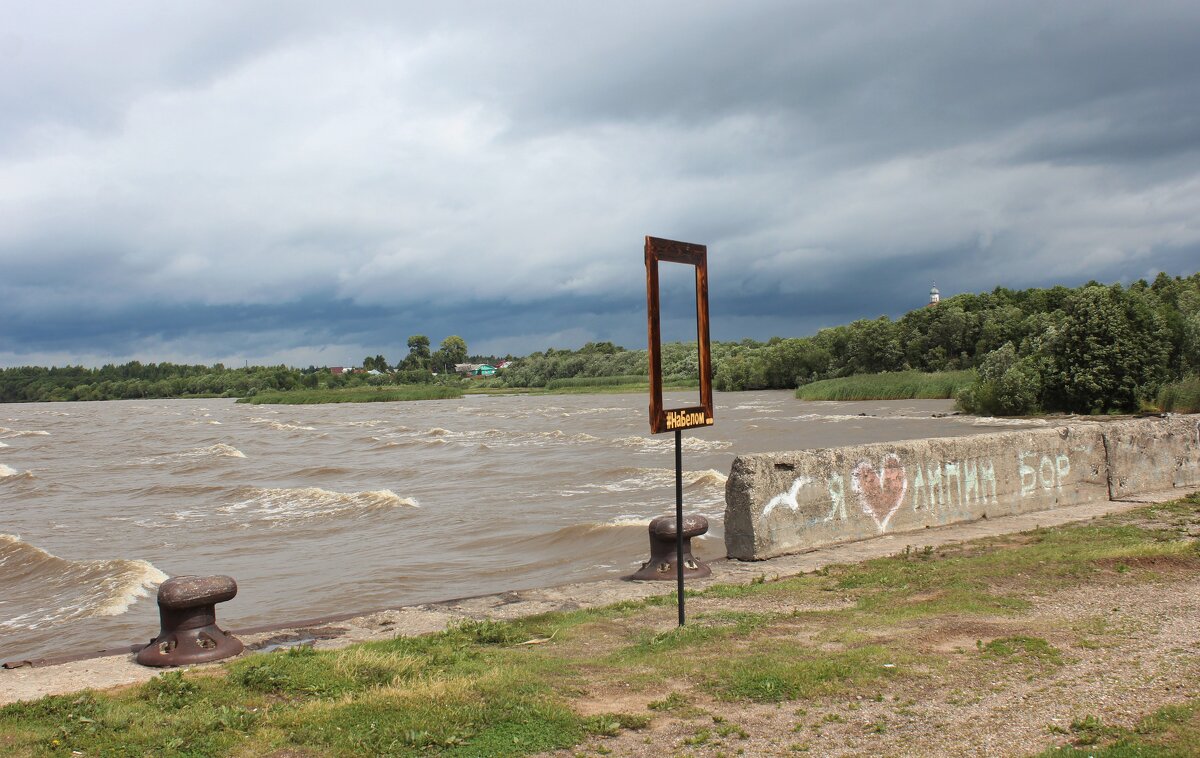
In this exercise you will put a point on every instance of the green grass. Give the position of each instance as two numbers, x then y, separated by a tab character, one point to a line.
1170	732
903	385
356	395
1021	648
1181	397
476	690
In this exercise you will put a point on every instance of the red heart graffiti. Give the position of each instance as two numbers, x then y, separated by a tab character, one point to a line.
880	491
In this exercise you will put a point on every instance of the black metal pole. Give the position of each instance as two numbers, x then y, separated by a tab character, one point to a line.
679	519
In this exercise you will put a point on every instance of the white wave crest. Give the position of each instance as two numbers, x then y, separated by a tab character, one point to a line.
10	433
7	472
992	421
219	450
504	438
52	589
659	444
631	521
281	505
708	478
645	478
281	426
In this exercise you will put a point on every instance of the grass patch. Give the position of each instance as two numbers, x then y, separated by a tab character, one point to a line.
476	689
1021	648
900	385
789	672
1170	732
355	395
677	705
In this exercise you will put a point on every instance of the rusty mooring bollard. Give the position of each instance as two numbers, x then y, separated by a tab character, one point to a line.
662	549
188	622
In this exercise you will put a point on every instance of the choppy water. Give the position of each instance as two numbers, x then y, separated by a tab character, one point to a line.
334	508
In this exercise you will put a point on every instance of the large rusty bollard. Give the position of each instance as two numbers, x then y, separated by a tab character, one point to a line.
188	621
663	553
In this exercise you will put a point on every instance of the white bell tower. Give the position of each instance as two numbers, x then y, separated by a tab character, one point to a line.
934	296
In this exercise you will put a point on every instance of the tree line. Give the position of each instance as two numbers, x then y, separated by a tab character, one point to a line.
135	380
1089	349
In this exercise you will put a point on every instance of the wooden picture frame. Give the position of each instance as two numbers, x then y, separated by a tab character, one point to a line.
689	254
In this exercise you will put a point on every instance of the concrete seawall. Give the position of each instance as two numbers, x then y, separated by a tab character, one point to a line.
780	503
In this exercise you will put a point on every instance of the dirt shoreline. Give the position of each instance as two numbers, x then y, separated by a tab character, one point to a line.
31	682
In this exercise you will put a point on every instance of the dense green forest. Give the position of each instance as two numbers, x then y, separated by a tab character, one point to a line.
1090	349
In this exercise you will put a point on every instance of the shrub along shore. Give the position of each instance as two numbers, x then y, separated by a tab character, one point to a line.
1084	633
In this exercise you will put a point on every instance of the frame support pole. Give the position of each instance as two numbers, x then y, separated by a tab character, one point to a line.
679	520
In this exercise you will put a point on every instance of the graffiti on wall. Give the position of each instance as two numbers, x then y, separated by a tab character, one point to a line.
788	499
880	491
941	489
1042	472
946	484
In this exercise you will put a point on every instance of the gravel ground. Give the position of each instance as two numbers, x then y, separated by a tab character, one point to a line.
1129	645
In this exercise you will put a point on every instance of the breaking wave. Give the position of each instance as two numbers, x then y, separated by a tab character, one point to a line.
635	479
992	421
282	426
622	540
493	438
8	474
40	589
642	521
660	444
219	450
569	542
5	432
284	505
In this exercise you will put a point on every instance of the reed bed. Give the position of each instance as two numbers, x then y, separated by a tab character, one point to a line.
1181	397
596	381
900	385
355	395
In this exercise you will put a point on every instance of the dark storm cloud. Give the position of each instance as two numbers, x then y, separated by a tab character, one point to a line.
289	182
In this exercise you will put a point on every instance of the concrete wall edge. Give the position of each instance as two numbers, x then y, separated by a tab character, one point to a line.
792	501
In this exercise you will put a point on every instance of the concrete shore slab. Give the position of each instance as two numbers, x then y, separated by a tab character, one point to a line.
107	671
780	502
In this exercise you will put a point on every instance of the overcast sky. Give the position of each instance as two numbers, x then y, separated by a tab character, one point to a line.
310	183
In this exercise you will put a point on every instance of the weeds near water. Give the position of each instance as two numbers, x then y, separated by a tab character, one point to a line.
900	385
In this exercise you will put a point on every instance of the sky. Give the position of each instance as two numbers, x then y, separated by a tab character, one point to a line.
310	183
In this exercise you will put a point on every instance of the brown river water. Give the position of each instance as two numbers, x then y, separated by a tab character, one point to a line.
334	508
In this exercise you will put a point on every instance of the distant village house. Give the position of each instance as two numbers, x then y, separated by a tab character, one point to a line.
475	369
